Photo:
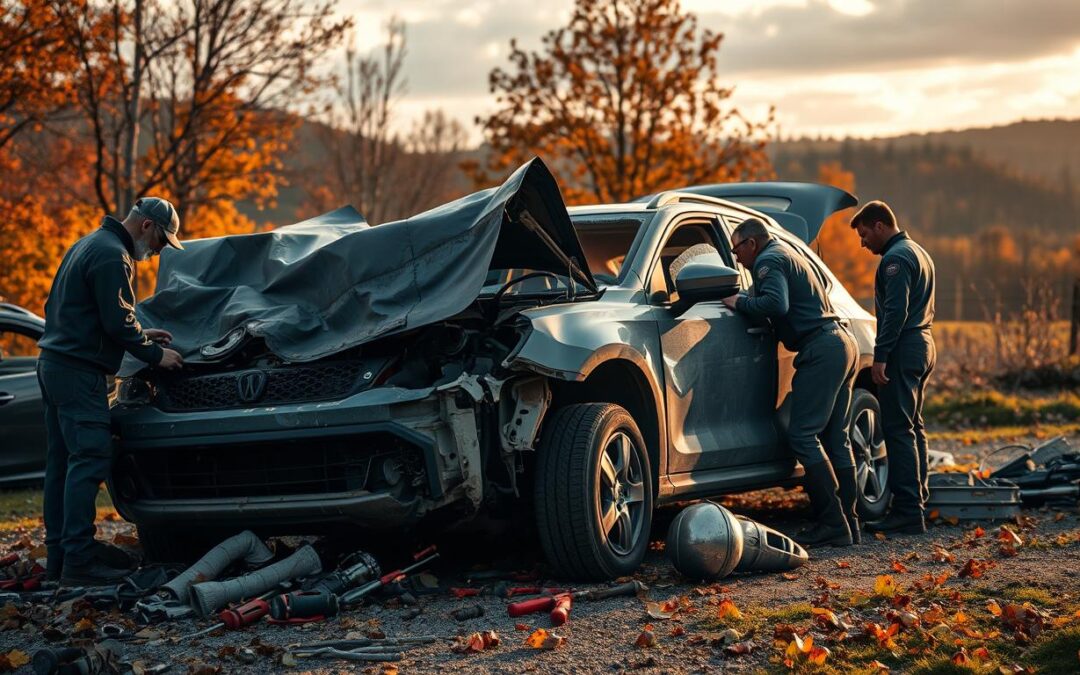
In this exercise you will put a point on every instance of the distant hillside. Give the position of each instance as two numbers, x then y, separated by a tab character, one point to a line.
1044	149
1000	175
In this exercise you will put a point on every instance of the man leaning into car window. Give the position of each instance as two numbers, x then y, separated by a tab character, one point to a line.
89	324
904	357
791	295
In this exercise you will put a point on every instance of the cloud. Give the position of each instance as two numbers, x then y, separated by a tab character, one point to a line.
893	34
830	66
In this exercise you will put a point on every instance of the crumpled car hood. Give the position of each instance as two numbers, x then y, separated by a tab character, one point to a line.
334	282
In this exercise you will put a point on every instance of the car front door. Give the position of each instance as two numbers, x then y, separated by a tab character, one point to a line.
720	369
22	420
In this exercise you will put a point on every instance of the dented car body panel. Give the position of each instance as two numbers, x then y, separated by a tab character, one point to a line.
437	419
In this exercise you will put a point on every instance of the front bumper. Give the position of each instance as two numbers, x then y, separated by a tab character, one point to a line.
379	459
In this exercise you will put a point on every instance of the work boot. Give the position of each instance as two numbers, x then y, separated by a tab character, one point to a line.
848	492
54	563
91	573
830	527
113	556
898	523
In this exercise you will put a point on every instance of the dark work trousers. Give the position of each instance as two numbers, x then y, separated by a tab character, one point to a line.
908	368
78	459
821	398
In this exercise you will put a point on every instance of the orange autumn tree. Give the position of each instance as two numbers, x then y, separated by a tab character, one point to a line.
623	101
839	246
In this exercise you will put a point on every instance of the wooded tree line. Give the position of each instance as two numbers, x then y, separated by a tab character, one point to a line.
201	101
1001	241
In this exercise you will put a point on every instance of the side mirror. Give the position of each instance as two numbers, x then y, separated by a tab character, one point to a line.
706	277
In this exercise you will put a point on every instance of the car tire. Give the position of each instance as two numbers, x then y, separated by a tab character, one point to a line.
871	460
593	492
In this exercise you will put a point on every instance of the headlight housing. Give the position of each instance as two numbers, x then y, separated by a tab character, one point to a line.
134	391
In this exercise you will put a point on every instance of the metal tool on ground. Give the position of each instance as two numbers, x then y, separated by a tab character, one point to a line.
766	550
303	607
466	613
104	657
967	497
210	596
559	605
362	571
239	616
502	590
384	649
706	541
357	595
246	547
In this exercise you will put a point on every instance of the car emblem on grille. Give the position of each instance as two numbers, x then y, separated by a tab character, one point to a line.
251	385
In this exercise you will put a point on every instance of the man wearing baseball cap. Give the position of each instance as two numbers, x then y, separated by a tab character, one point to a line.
89	323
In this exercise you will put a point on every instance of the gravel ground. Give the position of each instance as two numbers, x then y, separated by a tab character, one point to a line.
600	636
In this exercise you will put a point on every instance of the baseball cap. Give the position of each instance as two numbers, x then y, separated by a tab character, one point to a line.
164	214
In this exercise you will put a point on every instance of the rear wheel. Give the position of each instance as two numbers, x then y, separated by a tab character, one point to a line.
593	492
871	460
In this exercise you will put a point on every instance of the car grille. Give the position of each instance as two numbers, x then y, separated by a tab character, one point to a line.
275	468
292	384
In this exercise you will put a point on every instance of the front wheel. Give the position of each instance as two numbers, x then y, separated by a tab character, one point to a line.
871	460
593	492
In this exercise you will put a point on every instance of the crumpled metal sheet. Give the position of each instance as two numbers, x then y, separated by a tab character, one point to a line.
333	282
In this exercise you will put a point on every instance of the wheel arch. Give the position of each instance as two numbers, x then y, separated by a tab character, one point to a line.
624	382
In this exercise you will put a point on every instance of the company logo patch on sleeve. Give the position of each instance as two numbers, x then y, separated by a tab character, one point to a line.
762	272
891	269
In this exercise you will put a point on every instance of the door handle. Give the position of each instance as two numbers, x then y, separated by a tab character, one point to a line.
757	330
6	397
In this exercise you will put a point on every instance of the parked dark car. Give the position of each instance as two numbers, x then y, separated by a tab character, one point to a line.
22	420
496	356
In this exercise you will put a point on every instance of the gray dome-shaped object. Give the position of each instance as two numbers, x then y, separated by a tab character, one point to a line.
705	541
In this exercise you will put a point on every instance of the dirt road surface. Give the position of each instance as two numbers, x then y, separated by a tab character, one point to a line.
603	636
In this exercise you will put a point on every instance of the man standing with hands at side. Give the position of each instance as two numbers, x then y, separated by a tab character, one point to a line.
792	295
904	357
89	324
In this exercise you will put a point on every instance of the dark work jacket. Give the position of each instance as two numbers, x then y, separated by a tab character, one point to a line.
90	314
903	293
789	292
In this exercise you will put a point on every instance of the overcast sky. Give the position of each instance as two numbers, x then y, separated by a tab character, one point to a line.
836	67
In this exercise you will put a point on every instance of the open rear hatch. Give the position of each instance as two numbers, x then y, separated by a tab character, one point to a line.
800	208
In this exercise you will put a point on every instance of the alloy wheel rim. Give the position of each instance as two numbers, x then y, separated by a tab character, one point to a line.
621	493
871	459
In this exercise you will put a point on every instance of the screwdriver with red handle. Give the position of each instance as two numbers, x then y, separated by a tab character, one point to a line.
559	605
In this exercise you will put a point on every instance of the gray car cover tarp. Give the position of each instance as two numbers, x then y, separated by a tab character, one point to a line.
333	282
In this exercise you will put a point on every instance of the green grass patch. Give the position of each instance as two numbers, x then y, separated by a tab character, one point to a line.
799	611
1007	433
1057	652
993	408
1035	596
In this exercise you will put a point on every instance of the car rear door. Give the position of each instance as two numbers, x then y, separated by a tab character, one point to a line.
22	421
719	368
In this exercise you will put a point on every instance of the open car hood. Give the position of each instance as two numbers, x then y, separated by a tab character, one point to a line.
800	208
334	282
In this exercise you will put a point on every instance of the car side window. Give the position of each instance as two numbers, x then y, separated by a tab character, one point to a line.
16	342
746	278
699	234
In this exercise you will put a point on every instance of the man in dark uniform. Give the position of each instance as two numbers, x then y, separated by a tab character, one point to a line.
791	294
904	356
89	324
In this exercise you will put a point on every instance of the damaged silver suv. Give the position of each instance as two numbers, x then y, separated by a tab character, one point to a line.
498	355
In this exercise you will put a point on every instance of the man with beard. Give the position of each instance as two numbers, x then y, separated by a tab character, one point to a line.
904	357
792	295
89	324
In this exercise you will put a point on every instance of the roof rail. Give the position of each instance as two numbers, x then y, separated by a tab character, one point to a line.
675	197
15	308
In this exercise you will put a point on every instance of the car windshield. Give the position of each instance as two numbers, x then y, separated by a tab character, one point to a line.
606	239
